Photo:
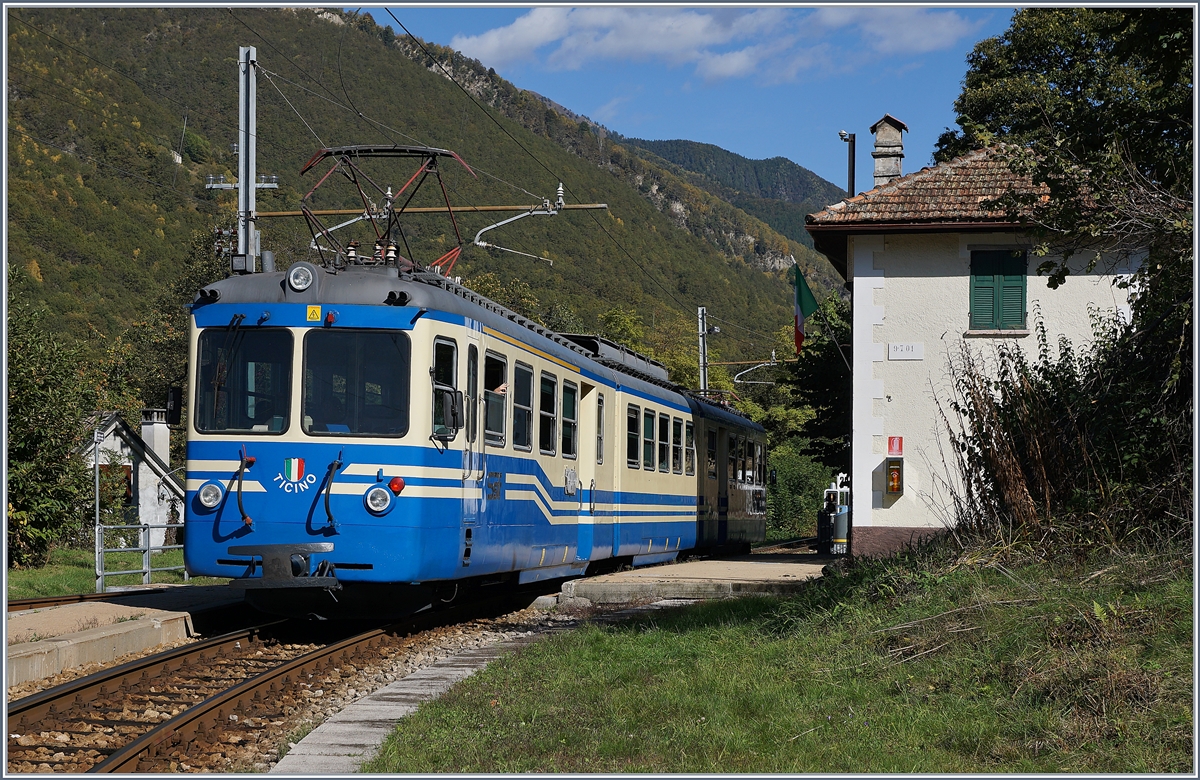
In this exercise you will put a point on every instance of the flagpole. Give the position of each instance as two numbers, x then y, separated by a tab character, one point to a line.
835	341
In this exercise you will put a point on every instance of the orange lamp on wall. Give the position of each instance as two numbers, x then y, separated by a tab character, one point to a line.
894	476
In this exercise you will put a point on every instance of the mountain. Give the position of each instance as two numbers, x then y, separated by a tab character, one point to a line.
117	117
768	188
760	229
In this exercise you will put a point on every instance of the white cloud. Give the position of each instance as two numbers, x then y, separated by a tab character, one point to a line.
585	36
608	112
518	41
771	45
900	30
733	64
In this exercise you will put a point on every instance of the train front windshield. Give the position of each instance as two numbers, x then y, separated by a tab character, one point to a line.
244	380
354	383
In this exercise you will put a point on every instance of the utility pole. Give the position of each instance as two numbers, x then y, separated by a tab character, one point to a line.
247	157
244	261
704	330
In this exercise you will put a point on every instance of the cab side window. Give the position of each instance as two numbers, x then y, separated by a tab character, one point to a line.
445	378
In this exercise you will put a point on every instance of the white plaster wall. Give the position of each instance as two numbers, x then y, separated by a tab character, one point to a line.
913	289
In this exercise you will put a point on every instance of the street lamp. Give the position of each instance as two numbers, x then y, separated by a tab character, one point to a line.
849	138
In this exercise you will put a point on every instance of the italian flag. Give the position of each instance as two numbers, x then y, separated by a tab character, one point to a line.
806	304
293	469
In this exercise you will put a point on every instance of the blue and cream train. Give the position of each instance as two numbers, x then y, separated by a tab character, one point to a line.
366	441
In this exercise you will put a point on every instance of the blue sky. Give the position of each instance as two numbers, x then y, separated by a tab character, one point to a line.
760	81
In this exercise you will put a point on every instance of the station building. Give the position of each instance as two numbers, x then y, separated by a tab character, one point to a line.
933	265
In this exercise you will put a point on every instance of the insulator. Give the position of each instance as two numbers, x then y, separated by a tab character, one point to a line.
392	251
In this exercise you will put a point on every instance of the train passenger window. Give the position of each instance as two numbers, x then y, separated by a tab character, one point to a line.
759	464
677	445
495	389
742	474
445	376
712	454
648	439
731	458
356	383
664	442
632	436
244	380
689	449
570	424
523	407
547	414
600	428
472	392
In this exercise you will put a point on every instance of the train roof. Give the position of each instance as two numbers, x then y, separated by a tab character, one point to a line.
384	285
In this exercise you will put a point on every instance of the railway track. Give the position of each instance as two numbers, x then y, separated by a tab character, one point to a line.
193	708
41	602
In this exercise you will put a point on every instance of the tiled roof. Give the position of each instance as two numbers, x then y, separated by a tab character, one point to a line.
952	192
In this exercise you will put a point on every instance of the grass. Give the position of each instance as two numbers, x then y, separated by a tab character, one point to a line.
74	571
934	662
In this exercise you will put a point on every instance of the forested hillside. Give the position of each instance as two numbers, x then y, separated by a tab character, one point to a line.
693	203
102	216
777	191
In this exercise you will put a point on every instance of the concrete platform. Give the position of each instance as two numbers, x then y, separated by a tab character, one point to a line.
774	573
43	642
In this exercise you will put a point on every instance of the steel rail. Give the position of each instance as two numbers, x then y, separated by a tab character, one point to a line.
41	602
243	696
252	693
31	709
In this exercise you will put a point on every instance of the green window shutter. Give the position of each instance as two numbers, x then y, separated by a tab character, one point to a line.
997	294
1012	293
983	302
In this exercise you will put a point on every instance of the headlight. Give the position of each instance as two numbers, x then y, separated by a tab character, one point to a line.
210	495
378	499
300	277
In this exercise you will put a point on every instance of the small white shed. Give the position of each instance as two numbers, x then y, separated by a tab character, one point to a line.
153	488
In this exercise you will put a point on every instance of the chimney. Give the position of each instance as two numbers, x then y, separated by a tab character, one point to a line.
889	149
156	434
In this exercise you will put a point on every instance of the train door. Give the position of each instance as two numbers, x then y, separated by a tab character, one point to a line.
578	428
725	474
472	460
595	473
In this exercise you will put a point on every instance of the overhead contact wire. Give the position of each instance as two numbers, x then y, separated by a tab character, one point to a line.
547	169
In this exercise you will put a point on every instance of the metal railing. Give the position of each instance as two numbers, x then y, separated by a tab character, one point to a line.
145	548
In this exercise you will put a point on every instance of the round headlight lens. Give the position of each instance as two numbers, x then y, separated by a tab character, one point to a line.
210	495
300	278
378	499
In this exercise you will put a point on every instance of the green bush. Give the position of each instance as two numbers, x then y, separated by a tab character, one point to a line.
796	496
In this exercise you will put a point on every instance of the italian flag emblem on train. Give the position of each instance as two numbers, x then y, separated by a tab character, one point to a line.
806	304
293	469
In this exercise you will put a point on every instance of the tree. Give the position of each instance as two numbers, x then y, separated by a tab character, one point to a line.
1096	107
821	381
52	390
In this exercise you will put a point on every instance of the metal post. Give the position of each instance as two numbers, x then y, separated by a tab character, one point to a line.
247	153
99	530
702	315
850	166
145	554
